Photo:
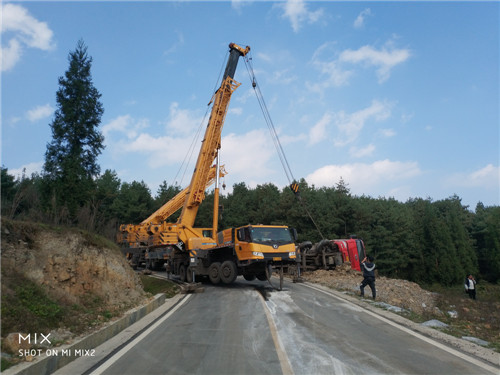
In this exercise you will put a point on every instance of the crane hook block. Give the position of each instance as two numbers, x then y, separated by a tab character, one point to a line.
295	188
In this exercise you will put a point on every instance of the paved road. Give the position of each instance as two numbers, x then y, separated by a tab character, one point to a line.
249	329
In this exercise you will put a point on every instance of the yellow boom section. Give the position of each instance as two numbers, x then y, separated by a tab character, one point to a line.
174	204
208	152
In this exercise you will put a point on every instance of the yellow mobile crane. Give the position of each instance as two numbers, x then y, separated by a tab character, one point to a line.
135	239
251	251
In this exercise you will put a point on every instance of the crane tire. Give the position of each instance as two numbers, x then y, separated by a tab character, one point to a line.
189	275
214	273
228	272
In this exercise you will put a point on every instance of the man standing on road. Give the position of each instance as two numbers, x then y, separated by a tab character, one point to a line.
368	276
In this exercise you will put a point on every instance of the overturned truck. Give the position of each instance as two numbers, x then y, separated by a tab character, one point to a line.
328	254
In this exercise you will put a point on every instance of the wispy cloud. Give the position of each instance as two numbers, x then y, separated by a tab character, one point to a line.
366	178
340	67
351	124
40	112
27	32
297	12
383	59
26	170
182	121
360	152
318	131
125	124
359	22
486	177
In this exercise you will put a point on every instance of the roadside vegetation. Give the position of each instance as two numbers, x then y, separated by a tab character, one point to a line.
155	285
478	318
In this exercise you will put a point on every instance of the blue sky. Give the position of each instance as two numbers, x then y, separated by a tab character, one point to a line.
400	99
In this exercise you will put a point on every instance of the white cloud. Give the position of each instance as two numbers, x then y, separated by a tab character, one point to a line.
328	65
26	170
382	177
40	112
161	151
182	121
284	77
487	177
384	59
179	42
125	124
357	152
9	56
318	131
27	30
338	67
387	133
297	13
359	22
350	125
236	111
248	155
239	4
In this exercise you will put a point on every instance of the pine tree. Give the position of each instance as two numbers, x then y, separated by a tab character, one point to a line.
71	157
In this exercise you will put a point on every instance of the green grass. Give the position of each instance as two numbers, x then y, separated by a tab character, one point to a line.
29	309
478	318
154	286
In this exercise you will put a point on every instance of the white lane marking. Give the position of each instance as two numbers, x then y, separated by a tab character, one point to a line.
133	343
418	335
286	368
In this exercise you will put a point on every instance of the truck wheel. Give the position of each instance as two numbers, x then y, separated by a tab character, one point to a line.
228	272
189	275
262	276
182	272
214	273
249	277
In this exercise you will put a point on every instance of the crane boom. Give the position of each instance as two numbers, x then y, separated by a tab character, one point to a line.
212	139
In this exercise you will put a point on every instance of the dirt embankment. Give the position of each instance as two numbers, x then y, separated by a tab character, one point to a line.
70	264
63	280
400	293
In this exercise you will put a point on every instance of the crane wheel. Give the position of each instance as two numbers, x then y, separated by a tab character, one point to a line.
214	273
228	272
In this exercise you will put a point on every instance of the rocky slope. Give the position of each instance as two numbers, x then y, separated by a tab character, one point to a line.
70	264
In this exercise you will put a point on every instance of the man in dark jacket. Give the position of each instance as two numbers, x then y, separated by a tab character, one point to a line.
368	276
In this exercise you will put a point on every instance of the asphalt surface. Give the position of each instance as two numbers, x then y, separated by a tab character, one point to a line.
248	328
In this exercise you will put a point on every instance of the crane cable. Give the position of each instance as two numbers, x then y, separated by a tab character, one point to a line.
294	186
189	154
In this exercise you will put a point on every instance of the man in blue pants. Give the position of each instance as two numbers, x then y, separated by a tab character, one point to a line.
368	276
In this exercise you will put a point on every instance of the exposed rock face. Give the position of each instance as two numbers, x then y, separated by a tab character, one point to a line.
70	266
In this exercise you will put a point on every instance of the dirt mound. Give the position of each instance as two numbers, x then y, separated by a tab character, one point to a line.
400	293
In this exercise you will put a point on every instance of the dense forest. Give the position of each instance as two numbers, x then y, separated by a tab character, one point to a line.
420	240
